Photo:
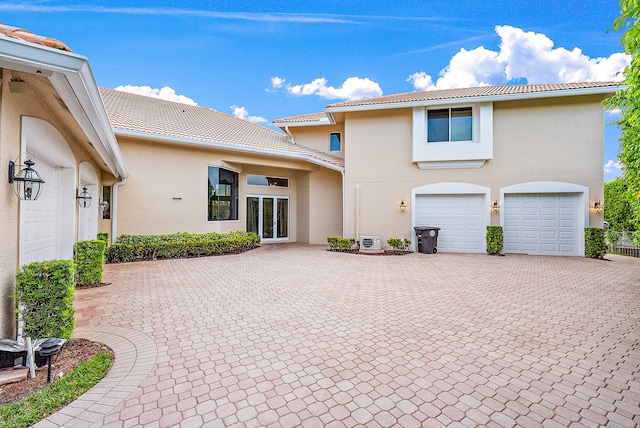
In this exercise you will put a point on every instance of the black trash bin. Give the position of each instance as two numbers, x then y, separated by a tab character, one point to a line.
427	239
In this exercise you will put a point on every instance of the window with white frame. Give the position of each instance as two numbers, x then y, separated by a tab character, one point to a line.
335	142
263	180
449	124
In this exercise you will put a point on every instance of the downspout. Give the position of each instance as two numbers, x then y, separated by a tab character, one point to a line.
291	137
114	209
357	212
344	206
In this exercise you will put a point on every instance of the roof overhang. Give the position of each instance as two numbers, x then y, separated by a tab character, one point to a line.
327	120
605	91
226	147
71	76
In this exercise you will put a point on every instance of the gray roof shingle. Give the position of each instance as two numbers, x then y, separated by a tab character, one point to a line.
153	116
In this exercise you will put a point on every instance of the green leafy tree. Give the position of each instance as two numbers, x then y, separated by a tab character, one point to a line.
628	102
617	205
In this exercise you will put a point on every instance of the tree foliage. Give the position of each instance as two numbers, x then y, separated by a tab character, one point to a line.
628	102
617	205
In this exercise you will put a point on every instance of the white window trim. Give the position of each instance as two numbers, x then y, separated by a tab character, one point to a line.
454	154
474	124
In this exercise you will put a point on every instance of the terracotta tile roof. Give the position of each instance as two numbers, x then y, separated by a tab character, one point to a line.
478	91
147	115
28	36
310	118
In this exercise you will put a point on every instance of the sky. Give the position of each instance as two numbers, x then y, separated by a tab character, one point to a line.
261	60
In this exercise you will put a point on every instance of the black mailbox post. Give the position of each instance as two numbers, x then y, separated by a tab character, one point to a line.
427	239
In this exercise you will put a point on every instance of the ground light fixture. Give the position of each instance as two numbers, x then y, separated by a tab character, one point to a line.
495	206
27	184
83	198
403	206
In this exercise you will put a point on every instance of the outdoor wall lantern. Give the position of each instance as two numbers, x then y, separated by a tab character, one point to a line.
495	207
403	206
83	198
597	206
104	205
27	183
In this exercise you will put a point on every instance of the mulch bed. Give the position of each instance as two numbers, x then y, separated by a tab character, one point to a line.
74	353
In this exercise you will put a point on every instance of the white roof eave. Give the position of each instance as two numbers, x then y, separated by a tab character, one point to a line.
71	76
225	146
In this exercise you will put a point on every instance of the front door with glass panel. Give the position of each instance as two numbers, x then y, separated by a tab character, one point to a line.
268	216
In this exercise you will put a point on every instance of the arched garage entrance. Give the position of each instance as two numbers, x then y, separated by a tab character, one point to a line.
47	229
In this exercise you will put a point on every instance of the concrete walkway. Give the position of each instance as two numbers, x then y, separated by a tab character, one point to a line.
293	335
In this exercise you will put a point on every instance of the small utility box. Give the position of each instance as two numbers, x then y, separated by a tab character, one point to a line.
427	239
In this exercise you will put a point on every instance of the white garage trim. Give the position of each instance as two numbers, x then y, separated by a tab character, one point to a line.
57	211
554	187
455	189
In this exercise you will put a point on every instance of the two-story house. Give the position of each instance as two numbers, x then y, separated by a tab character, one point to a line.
526	157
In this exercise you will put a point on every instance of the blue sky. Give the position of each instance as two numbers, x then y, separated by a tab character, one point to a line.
267	60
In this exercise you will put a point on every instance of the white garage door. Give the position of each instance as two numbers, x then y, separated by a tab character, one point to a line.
38	228
461	219
541	224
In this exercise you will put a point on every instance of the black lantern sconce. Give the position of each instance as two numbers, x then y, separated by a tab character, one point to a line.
104	205
403	206
495	207
27	184
597	206
83	198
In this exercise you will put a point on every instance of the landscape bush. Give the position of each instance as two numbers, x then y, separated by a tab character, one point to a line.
45	294
131	248
88	259
340	244
495	239
399	244
103	236
595	244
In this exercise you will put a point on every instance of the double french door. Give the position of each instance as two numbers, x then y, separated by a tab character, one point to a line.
268	216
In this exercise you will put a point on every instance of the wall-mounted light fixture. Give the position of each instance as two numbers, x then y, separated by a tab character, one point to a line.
104	205
403	206
597	206
83	198
27	183
495	207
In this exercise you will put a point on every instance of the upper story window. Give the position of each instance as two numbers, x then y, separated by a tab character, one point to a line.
223	194
263	180
335	142
449	124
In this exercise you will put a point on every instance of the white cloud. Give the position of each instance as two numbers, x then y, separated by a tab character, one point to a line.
242	113
165	93
277	82
354	88
525	56
612	167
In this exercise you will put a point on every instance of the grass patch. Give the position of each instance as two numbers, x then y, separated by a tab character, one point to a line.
56	395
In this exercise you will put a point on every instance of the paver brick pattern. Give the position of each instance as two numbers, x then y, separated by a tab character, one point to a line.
293	335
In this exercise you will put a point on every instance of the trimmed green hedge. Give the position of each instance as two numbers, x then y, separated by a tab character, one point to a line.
495	239
399	244
595	245
88	258
45	292
103	236
131	248
340	244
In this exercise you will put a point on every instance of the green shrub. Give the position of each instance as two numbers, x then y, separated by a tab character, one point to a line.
45	292
340	244
595	245
495	239
399	244
103	236
130	248
88	259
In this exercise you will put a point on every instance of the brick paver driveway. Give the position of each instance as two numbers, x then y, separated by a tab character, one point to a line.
293	335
